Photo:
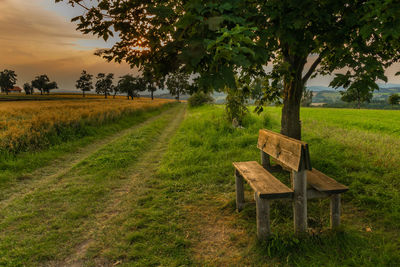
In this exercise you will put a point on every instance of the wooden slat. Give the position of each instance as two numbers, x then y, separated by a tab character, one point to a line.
263	182
287	150
323	183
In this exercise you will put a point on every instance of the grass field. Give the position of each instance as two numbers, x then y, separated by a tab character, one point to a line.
158	189
28	125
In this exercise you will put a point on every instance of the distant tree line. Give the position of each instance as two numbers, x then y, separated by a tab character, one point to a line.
178	84
8	79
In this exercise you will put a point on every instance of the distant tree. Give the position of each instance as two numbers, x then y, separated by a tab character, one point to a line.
84	83
131	85
115	90
394	99
306	99
178	83
8	79
104	84
356	94
149	81
43	84
28	88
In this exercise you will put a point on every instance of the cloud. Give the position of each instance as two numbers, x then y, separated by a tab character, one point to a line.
36	40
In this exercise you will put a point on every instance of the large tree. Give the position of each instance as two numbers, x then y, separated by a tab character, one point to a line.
104	84
178	83
43	84
224	39
84	83
8	79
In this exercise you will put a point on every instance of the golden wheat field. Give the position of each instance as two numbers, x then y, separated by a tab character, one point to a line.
23	124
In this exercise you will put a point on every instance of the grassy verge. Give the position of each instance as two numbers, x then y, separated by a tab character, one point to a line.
196	178
51	222
14	168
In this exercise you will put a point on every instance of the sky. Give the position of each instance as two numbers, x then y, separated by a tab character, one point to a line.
37	37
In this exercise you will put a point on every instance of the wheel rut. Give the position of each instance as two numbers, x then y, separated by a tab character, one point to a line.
143	169
66	163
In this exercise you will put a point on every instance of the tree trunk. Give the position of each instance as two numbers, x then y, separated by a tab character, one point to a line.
105	94
152	95
83	93
178	96
41	92
293	87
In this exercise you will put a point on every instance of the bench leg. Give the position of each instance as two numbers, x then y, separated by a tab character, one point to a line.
335	210
263	213
239	191
300	201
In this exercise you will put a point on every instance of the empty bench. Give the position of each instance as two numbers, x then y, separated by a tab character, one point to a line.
306	182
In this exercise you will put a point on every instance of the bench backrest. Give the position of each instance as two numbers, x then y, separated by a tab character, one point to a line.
291	152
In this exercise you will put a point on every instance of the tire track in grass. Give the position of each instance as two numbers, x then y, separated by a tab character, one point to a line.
66	163
146	167
50	223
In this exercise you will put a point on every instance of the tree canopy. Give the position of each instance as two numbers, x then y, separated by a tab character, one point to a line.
43	84
104	84
84	83
222	39
8	79
178	83
131	85
394	99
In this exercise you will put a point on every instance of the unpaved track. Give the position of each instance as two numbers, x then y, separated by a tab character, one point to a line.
66	163
146	167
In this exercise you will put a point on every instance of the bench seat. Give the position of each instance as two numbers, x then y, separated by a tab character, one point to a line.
324	183
262	181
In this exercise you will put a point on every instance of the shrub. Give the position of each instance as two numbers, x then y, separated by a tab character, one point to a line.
199	99
235	107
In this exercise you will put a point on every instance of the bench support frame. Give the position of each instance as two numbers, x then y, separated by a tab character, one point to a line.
239	191
265	161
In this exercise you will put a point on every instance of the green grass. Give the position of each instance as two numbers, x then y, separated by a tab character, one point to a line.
48	223
136	211
14	168
197	171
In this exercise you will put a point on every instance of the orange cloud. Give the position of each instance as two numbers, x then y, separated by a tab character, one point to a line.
34	41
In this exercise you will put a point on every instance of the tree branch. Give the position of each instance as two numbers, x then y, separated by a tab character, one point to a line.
313	67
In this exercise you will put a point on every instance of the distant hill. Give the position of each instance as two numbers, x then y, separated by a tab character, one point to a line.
319	88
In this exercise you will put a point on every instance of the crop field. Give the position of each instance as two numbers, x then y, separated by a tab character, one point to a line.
156	188
54	96
32	124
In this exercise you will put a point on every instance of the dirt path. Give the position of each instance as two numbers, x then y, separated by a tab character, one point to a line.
62	165
142	170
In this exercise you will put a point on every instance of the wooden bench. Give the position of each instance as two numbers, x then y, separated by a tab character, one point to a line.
307	182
